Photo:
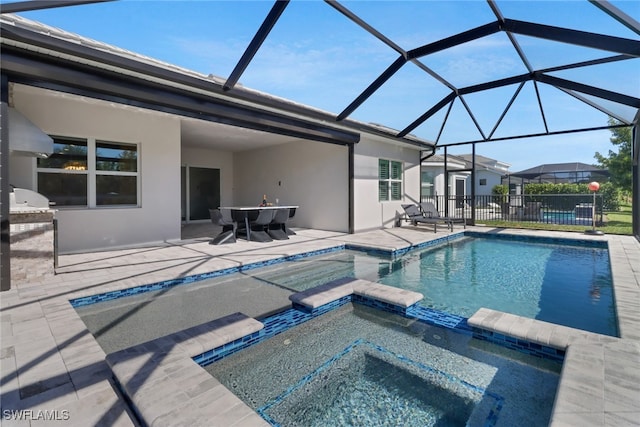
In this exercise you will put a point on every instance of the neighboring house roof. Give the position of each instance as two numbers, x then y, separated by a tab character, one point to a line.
553	168
464	161
486	163
453	162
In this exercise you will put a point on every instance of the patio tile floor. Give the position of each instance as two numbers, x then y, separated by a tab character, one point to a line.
50	362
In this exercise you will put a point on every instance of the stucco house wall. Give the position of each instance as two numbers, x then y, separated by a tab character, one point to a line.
369	213
312	175
439	180
158	136
492	179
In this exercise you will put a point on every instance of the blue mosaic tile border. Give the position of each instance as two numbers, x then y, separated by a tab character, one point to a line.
435	242
478	235
273	325
419	312
491	420
439	318
107	296
298	314
539	239
400	252
379	305
523	346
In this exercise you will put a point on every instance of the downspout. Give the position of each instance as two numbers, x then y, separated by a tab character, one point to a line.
428	156
5	232
446	185
351	174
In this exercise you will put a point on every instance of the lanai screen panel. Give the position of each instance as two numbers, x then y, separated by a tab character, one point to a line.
444	71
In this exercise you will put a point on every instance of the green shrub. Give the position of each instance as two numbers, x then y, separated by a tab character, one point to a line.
607	195
500	193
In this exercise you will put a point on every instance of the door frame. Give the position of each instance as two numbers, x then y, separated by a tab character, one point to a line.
185	198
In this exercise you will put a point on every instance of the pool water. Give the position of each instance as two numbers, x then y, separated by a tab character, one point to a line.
382	388
565	217
562	284
566	285
358	366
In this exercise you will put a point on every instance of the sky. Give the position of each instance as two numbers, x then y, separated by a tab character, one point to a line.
314	55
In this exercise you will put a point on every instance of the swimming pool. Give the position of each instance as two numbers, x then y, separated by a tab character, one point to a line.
562	284
565	217
567	284
359	366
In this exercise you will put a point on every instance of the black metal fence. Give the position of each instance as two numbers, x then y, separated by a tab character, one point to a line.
564	209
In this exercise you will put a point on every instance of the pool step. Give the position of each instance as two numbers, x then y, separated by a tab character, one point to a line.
329	292
324	294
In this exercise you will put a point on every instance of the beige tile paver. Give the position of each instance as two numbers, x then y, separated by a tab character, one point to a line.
43	337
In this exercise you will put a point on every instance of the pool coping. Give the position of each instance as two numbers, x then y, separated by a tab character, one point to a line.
145	372
486	322
44	337
588	394
171	362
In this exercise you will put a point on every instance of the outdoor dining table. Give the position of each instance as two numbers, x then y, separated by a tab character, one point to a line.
246	213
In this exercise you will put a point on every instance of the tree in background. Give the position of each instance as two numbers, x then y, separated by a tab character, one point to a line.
619	163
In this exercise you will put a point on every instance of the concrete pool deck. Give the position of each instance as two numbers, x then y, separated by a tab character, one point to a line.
53	369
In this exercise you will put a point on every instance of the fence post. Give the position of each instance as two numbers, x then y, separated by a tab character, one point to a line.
55	245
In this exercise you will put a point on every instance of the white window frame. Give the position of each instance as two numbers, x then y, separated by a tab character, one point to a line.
390	180
92	173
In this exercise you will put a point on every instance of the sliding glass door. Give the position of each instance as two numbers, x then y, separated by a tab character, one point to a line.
200	192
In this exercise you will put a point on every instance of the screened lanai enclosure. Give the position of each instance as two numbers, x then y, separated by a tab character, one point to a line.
453	73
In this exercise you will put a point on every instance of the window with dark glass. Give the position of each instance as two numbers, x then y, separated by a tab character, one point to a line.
112	156
427	183
116	190
62	177
89	173
68	154
64	189
116	173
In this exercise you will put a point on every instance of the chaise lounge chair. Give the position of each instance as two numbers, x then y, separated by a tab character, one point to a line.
414	215
429	211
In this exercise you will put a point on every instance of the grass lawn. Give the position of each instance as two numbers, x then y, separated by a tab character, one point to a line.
618	222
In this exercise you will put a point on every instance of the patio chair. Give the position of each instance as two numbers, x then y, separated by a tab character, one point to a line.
277	227
414	215
258	226
429	211
229	226
290	232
